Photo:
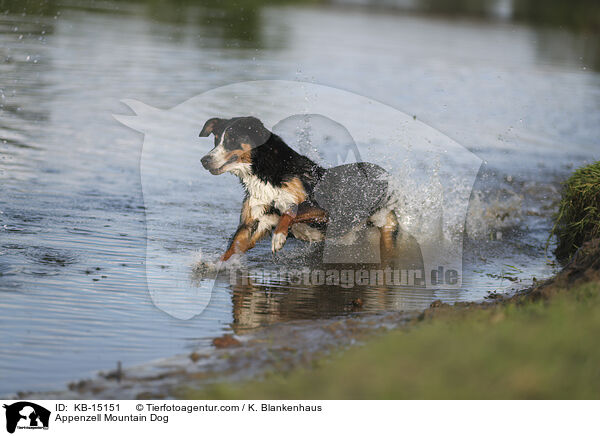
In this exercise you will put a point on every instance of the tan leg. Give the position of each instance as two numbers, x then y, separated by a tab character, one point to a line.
303	213
388	233
243	240
240	243
247	234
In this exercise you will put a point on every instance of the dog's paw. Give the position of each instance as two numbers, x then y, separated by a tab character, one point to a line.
278	241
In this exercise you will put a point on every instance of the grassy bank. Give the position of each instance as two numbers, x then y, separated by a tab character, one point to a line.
578	216
532	350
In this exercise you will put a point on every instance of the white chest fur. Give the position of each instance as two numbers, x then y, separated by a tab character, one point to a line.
261	195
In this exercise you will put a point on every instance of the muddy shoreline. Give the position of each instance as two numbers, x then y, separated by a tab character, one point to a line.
280	347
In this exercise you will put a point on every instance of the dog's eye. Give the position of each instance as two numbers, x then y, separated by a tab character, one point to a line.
231	144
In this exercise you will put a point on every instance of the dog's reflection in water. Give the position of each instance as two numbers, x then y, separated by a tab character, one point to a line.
313	289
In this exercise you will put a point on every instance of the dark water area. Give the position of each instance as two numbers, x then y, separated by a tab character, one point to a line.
516	83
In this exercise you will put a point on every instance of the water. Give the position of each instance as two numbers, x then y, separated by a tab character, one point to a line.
72	216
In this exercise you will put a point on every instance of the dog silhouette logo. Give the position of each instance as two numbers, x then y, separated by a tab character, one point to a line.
368	149
26	415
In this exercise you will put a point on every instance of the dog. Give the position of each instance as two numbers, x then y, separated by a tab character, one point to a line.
285	190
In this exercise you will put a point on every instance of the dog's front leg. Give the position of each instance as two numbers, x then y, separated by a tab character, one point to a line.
283	226
240	242
303	213
245	238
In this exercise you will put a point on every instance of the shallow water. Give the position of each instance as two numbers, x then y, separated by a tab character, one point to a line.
72	216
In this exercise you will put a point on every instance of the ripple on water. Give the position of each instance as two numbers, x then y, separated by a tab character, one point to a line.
50	256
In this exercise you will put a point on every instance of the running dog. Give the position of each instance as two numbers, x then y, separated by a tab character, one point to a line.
285	190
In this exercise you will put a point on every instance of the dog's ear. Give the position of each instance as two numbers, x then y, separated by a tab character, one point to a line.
214	126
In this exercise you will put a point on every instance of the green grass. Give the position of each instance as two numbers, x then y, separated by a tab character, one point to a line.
578	217
515	351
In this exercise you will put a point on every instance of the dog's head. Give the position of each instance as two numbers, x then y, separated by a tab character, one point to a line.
234	140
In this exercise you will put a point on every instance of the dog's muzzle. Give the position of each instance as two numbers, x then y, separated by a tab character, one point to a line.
209	164
206	162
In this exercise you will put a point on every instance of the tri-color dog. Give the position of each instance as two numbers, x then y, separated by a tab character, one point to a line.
287	191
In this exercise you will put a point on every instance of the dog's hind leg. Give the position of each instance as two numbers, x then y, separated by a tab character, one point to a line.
388	231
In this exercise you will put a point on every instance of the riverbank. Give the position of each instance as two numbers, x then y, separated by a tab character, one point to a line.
540	343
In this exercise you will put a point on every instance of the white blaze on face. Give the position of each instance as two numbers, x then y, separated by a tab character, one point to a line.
218	155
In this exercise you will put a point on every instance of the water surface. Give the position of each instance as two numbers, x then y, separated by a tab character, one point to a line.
72	218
